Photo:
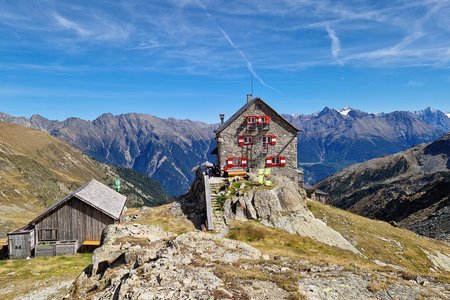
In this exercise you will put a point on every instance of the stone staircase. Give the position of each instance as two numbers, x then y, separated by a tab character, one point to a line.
218	221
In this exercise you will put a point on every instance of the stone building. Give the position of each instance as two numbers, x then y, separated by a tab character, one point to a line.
316	194
256	137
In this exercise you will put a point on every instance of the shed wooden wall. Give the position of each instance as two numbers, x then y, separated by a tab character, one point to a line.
20	245
75	220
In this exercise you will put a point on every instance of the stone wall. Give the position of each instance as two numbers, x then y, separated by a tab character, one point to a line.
228	146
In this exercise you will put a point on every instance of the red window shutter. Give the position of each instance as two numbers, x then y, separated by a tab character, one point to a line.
268	161
241	141
230	162
282	161
244	162
273	140
267	118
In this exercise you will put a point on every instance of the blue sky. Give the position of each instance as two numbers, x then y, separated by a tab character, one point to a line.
193	58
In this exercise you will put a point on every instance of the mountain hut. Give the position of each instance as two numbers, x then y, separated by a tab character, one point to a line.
77	219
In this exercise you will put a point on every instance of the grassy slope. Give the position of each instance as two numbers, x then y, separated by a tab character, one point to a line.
19	277
162	216
377	240
37	169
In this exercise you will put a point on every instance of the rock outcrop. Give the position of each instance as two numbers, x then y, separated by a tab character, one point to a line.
144	262
283	207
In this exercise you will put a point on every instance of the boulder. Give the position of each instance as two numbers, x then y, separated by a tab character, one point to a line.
284	207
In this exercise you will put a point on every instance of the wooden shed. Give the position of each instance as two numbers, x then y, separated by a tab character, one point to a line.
21	242
78	218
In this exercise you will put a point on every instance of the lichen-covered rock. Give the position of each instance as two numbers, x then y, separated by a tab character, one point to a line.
284	207
144	262
138	262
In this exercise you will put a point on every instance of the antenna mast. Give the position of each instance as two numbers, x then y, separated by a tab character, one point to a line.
251	82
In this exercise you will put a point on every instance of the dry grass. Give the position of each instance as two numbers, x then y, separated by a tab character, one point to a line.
36	170
375	239
163	217
277	242
379	240
231	273
21	276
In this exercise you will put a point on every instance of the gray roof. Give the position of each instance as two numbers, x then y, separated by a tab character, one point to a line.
320	192
95	194
244	108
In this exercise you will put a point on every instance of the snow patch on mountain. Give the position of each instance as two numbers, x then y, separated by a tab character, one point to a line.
344	111
448	114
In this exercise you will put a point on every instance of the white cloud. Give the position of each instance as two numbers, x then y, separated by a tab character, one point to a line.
335	43
189	35
67	24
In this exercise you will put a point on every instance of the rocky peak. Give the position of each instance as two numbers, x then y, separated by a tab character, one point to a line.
434	117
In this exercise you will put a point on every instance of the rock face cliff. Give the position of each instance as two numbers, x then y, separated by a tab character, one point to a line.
410	187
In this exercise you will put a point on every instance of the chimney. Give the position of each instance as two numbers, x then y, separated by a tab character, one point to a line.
222	118
249	98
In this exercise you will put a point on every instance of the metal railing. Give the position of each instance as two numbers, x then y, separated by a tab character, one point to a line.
209	212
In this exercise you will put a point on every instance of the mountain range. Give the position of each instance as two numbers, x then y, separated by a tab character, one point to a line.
411	188
167	149
164	149
332	139
37	169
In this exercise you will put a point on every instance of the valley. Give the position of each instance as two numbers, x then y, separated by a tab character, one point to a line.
411	188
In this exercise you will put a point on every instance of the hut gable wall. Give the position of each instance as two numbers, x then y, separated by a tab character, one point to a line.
75	220
286	145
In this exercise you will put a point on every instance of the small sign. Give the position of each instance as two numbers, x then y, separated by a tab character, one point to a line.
117	184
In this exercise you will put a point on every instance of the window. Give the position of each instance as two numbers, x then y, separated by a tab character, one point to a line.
276	161
237	161
245	140
233	162
260	122
48	234
269	140
265	121
251	122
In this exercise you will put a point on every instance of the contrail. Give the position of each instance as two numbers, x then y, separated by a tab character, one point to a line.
335	43
232	44
249	63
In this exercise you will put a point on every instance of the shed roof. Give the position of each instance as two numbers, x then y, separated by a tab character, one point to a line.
320	192
245	107
95	194
22	230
